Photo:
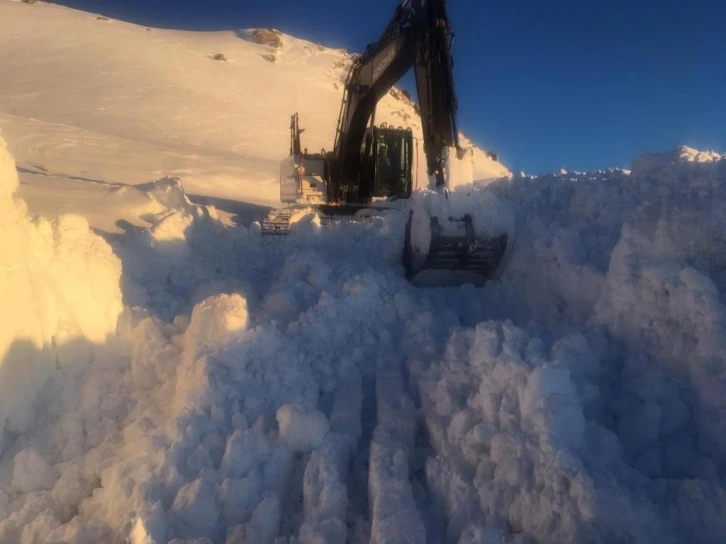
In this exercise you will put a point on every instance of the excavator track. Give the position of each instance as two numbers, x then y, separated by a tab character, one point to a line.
278	222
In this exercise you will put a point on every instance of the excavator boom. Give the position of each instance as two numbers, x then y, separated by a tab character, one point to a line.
418	36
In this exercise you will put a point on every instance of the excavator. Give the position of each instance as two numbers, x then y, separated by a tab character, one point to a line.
370	167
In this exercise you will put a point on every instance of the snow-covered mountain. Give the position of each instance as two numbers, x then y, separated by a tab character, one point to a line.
168	377
129	104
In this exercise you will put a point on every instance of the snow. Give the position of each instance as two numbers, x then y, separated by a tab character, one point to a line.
128	105
302	430
168	375
60	287
32	473
491	216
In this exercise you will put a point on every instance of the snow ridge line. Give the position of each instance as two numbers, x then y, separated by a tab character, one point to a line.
394	515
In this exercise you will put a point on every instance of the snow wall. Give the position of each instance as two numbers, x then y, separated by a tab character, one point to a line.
59	294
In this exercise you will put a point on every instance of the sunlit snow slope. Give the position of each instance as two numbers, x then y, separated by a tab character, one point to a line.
128	104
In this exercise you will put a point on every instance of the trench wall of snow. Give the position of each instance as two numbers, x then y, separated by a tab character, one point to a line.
599	415
59	293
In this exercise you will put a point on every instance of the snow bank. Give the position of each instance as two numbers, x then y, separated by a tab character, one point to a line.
614	428
299	388
183	256
59	292
515	450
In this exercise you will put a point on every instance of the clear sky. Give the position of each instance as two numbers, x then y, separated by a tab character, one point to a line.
579	84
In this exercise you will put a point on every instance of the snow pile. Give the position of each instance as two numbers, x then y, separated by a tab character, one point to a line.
298	388
516	451
59	291
171	265
684	162
632	404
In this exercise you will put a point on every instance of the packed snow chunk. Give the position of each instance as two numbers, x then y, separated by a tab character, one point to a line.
8	174
239	496
40	528
171	228
264	525
86	275
302	429
172	216
245	450
168	193
305	222
150	528
195	509
216	321
32	473
550	404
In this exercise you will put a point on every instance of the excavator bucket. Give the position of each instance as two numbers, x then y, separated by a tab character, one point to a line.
445	251
456	238
455	254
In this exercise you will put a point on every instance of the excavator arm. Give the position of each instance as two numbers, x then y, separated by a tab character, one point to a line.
418	36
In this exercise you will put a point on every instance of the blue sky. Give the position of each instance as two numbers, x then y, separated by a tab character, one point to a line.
546	84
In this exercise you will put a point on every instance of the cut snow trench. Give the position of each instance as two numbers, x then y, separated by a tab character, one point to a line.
570	422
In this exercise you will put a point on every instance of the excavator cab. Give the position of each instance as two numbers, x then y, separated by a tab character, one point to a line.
390	162
386	164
